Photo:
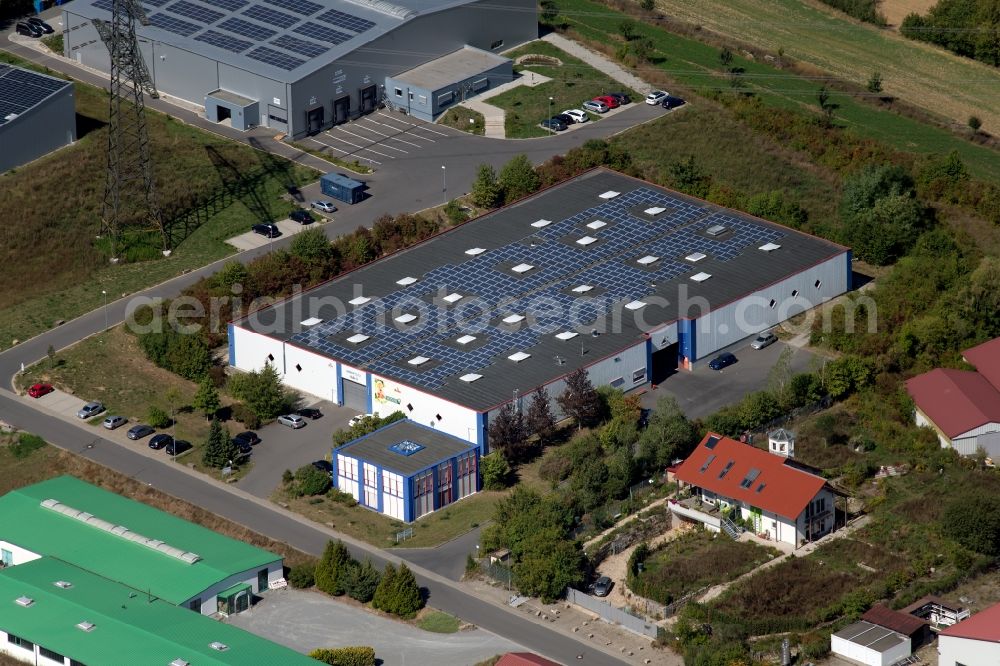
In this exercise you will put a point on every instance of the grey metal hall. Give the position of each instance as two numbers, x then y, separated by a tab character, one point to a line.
301	66
37	115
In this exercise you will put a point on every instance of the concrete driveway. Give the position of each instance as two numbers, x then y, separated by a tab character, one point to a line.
705	391
251	240
282	448
304	621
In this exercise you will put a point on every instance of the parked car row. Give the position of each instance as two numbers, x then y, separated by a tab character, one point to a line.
33	27
664	99
600	104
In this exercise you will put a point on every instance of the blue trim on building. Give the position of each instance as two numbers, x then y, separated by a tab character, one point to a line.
340	386
850	271
368	383
481	430
408	499
232	345
378	488
649	359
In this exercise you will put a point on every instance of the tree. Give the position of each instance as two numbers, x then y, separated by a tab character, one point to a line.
780	375
507	432
588	482
973	520
518	179
495	471
883	233
758	409
219	448
382	599
233	272
173	398
686	176
486	192
206	398
302	576
579	400
407	599
826	107
311	246
980	298
647	5
871	183
627	29
621	472
667	436
874	85
361	581
261	390
725	57
975	123
540	419
549	565
332	568
310	480
157	417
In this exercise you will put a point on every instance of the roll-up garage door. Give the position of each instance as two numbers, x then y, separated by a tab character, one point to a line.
355	395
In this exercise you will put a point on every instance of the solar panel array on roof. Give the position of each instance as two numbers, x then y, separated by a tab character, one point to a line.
321	32
228	5
247	29
196	12
223	41
22	89
174	25
275	58
300	46
303	7
345	20
270	16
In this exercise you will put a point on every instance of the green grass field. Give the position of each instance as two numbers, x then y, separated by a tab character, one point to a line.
50	213
572	83
464	119
920	74
695	65
437	622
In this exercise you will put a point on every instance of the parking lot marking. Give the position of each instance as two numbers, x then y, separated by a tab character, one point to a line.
354	145
388	136
341	150
372	143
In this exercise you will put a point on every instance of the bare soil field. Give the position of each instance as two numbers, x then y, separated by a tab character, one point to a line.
925	76
896	10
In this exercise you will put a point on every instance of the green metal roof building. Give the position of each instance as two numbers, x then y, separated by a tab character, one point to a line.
130	543
64	614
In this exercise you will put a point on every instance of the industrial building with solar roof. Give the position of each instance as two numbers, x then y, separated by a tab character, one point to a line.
605	272
37	115
301	66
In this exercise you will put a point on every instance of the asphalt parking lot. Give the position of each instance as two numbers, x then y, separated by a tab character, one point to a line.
380	137
304	621
704	391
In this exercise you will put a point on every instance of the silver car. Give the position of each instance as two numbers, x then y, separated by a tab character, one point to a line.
595	106
324	206
292	421
113	422
90	409
763	340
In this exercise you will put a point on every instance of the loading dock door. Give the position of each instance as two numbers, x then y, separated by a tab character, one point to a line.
369	98
314	120
664	363
341	109
355	395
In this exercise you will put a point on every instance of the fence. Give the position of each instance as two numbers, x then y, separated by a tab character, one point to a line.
498	572
621	616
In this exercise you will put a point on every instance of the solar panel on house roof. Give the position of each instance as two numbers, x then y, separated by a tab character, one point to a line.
104	4
198	13
345	20
247	29
276	58
303	7
321	32
174	25
270	16
300	46
224	41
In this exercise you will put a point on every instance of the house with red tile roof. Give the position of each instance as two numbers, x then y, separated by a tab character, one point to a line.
972	642
962	406
780	499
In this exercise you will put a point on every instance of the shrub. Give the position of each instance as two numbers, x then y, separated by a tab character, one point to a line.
345	656
495	471
973	520
246	416
302	576
219	448
157	417
25	445
262	392
309	480
184	355
361	581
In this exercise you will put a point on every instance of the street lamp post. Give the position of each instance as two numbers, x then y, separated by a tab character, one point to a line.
105	292
551	99
444	183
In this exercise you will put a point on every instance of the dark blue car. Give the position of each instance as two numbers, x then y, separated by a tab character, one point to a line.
722	361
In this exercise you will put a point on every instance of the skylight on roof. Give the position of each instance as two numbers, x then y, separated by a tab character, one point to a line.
635	305
701	277
63	584
769	247
406	318
471	377
465	339
716	230
179	662
357	338
418	360
610	194
567	335
517	357
513	319
473	251
522	268
648	259
708	462
655	210
582	289
725	470
586	240
360	300
312	321
405	282
86	626
216	645
541	223
453	298
695	257
750	478
597	224
24	601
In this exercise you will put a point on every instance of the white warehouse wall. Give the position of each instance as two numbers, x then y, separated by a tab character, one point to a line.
252	350
955	651
275	571
19	555
318	374
390	396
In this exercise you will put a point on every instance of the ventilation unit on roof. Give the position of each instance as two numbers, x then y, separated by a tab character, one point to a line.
716	230
63	584
405	282
474	251
24	601
635	305
465	339
359	300
769	247
522	268
597	224
179	662
695	257
513	319
357	338
648	259
541	223
567	335
471	377
86	626
405	318
312	321
655	210
216	645
582	289
700	277
418	360
610	194
452	298
586	240
517	357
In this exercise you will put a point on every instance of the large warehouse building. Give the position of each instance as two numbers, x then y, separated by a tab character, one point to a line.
603	272
300	66
37	115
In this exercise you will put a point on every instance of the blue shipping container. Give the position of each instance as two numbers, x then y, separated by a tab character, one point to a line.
342	188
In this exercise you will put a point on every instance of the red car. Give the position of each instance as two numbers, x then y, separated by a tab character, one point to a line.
38	390
608	101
